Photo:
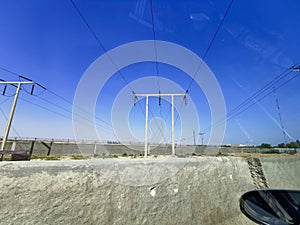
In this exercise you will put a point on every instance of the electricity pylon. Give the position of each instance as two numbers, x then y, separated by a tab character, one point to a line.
146	115
19	84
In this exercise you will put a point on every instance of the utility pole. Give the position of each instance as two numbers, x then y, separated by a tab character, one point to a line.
19	84
146	126
173	125
201	134
146	119
194	138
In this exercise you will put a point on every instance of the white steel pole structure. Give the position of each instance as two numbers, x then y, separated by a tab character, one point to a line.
146	127
173	117
12	108
173	125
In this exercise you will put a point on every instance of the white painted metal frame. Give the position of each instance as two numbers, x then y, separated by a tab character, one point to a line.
146	115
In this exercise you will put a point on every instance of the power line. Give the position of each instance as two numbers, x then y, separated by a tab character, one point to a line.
54	104
51	92
206	52
60	107
45	100
73	105
156	64
280	117
104	49
267	86
22	78
61	114
88	26
4	115
4	93
253	101
32	87
8	98
12	127
66	110
210	44
9	71
155	47
100	43
253	98
264	96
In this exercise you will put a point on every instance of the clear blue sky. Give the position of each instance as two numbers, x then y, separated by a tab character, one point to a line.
49	42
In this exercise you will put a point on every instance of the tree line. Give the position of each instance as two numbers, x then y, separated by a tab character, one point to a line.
293	144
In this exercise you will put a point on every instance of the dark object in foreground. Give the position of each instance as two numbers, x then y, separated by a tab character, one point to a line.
272	207
16	155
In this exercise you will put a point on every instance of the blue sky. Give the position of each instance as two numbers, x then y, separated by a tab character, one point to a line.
49	42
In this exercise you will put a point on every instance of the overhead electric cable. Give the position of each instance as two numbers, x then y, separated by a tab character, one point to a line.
262	90
267	86
280	116
78	107
43	107
252	102
32	87
155	48
261	98
5	100
156	64
104	49
69	111
100	43
15	131
49	102
51	92
61	114
9	71
210	44
207	50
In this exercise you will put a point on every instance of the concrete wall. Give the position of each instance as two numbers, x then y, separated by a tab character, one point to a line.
282	172
203	190
43	148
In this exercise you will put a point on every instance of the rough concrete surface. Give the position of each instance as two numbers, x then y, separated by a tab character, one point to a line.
92	148
282	172
204	190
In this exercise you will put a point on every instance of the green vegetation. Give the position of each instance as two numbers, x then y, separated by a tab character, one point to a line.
295	144
265	145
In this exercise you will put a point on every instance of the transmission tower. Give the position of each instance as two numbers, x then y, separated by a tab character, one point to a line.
146	115
18	85
280	117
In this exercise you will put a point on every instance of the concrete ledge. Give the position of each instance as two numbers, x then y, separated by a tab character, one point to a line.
201	190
